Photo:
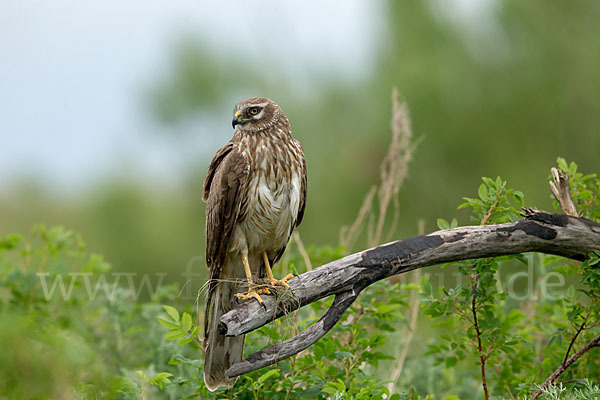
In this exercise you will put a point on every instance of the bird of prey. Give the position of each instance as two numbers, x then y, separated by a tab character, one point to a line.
255	192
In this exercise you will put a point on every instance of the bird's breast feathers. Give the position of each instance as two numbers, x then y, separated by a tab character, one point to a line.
274	197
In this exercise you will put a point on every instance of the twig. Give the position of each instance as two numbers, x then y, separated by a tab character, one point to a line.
491	211
408	336
349	235
302	251
538	231
574	338
482	357
593	343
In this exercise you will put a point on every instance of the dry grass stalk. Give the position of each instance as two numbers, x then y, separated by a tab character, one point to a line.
393	171
302	251
348	236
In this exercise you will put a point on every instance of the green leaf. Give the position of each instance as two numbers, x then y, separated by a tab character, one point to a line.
443	224
160	376
329	390
10	242
167	323
385	308
519	194
173	313
488	181
410	286
499	183
426	286
160	379
334	387
186	322
175	334
185	341
483	192
342	354
142	375
562	164
267	375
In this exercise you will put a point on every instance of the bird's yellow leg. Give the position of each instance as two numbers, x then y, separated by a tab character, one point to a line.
271	278
253	293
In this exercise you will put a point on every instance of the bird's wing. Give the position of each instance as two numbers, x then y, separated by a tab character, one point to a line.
302	194
224	190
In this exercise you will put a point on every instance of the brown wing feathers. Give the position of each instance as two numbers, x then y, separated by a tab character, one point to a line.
224	183
302	195
226	179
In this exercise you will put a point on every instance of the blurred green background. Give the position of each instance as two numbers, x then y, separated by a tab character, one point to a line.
111	136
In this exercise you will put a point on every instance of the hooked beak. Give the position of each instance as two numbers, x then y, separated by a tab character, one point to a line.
236	119
235	122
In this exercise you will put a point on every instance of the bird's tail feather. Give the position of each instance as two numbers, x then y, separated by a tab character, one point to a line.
222	352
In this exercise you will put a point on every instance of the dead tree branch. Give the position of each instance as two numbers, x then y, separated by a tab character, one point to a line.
559	185
561	235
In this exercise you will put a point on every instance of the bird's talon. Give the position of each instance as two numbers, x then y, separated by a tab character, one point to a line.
277	282
252	294
282	281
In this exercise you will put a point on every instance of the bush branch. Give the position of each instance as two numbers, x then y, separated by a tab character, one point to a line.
593	343
482	357
574	338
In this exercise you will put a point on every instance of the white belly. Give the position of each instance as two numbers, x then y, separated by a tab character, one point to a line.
271	213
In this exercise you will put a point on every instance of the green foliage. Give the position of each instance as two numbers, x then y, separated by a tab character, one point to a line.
67	335
582	390
101	344
496	204
585	190
517	343
74	335
179	328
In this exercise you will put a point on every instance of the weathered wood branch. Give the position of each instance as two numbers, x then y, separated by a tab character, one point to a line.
559	185
561	235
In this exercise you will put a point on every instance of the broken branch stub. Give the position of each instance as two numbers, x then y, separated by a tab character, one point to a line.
559	185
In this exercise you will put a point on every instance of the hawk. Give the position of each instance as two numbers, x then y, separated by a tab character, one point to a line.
255	192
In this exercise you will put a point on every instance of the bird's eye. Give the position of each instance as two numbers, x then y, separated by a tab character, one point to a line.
253	110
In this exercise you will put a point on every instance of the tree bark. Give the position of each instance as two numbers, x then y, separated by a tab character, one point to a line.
561	235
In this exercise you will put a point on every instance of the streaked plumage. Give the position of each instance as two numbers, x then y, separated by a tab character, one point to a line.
255	192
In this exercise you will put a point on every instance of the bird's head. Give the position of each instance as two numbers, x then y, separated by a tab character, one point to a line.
256	114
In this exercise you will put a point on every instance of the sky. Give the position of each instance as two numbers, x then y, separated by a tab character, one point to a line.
73	74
